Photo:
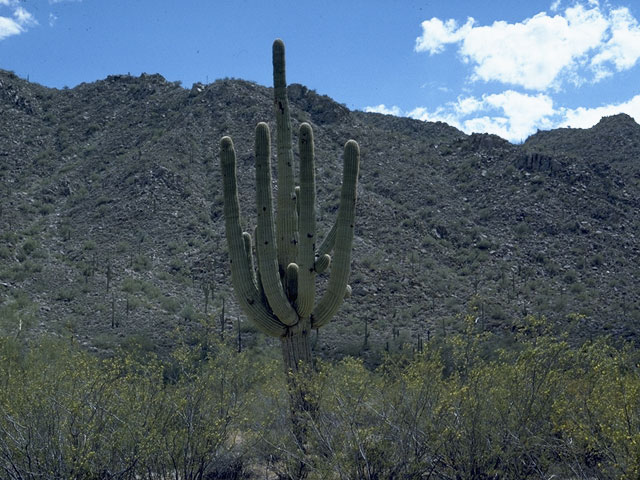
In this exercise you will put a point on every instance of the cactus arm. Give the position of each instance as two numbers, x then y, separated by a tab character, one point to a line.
341	262
328	242
258	276
307	224
292	282
242	277
246	239
297	191
287	218
246	236
267	253
322	263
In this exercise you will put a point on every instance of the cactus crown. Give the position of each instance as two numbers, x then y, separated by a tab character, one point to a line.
278	293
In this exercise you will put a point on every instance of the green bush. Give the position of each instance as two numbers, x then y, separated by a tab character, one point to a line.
29	246
5	252
540	409
141	263
464	407
170	304
65	414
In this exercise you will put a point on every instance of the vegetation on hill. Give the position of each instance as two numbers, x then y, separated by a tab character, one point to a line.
111	220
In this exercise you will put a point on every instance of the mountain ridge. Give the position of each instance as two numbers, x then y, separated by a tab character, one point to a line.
116	182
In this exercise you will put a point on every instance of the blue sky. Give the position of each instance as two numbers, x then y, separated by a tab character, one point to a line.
498	66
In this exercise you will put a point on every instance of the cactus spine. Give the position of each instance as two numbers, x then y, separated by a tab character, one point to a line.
279	294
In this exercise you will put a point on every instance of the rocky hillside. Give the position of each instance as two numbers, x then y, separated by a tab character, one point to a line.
111	228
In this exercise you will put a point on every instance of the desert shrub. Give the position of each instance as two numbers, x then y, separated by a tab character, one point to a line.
141	263
463	407
29	246
536	410
67	414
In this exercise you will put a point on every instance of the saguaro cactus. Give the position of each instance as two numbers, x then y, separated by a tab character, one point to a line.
277	292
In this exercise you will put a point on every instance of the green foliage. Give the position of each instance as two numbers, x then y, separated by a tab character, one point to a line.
65	414
141	263
17	314
66	293
29	246
89	245
188	313
134	285
18	272
170	304
540	409
461	408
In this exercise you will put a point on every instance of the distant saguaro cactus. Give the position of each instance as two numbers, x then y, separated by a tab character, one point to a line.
277	291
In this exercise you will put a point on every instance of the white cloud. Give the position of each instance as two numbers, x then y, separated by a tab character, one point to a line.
579	44
510	114
541	52
382	108
8	27
23	17
436	34
18	23
496	125
467	105
587	117
623	47
513	115
525	113
533	53
445	114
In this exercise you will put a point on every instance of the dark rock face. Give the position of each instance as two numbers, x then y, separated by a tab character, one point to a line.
536	162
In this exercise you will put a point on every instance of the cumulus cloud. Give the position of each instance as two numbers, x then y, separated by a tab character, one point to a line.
18	23
510	114
382	108
436	34
513	115
622	49
8	27
536	59
587	117
446	114
541	52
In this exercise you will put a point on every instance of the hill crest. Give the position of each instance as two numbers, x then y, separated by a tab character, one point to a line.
111	209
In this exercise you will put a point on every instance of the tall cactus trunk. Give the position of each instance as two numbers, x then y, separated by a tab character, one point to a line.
297	358
298	363
296	349
277	291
